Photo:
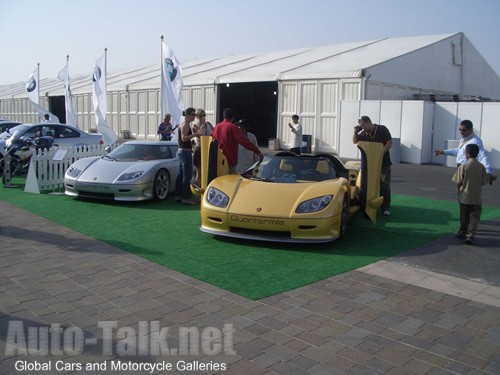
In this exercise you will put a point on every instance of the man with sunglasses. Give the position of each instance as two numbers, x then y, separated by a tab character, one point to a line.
469	137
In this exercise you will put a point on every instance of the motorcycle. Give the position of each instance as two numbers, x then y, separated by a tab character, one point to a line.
20	150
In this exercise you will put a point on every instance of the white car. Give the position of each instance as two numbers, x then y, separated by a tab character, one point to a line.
134	171
65	136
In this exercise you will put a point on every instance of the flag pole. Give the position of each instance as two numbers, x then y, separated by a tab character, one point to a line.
163	110
38	81
106	67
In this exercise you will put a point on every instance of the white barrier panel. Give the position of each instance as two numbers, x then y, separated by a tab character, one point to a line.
47	167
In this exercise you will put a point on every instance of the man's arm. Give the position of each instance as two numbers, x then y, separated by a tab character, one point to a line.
244	141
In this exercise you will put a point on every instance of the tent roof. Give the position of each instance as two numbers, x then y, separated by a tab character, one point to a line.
332	61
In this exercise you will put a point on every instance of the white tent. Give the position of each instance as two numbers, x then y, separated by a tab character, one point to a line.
272	86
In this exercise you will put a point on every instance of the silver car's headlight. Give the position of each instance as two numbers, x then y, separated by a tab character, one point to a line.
130	176
314	205
73	172
217	198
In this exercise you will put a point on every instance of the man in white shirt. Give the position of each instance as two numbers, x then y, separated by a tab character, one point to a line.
296	129
469	137
246	158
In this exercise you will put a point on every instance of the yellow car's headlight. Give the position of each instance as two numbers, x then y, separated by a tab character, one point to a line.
217	198
314	205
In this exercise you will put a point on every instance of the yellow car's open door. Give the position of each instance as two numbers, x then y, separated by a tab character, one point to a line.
213	164
369	178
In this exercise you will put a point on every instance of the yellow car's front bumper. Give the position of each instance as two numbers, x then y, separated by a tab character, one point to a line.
271	228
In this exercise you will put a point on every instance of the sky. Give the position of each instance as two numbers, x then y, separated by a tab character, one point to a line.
45	32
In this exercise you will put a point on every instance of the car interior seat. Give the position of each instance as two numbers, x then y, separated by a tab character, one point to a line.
322	167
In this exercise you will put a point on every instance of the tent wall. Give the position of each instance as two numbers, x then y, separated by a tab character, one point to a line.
202	96
421	127
317	104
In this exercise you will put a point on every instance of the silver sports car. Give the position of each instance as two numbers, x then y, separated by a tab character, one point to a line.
134	171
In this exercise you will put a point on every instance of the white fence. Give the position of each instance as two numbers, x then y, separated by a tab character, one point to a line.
47	167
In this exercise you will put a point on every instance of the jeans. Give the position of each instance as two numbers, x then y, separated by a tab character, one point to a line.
385	187
183	181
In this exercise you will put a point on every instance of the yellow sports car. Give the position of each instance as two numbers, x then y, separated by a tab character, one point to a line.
288	198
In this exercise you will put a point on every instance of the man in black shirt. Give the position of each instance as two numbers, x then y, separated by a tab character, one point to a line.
367	131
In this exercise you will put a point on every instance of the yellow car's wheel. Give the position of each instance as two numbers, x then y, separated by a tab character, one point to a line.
344	216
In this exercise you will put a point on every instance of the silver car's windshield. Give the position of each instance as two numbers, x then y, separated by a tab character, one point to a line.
132	152
292	169
16	131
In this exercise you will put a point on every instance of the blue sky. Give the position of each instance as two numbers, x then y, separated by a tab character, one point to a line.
34	31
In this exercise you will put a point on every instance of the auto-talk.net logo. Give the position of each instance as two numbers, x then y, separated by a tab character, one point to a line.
28	345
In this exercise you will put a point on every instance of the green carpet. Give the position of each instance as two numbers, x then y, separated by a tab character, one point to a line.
168	233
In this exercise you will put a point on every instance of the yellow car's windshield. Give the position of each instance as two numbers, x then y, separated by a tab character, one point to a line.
292	169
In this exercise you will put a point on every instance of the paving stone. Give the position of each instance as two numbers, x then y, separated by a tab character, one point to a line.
321	369
281	352
355	355
449	320
317	354
271	323
247	367
472	360
380	365
297	345
252	348
415	366
286	369
311	338
433	359
398	355
265	360
417	342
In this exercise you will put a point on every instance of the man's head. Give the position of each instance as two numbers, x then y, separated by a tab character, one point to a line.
200	114
46	117
471	150
228	114
243	125
189	112
295	119
465	128
365	123
167	117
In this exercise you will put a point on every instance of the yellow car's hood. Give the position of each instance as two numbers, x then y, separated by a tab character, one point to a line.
258	198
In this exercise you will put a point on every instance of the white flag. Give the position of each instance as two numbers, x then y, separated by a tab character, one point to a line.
100	101
63	75
171	85
33	89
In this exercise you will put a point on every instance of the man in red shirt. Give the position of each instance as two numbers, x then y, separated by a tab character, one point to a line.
229	136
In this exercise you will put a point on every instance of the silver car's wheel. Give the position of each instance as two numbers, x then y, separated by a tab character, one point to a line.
161	185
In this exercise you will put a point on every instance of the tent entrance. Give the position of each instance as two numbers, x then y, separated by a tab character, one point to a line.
257	102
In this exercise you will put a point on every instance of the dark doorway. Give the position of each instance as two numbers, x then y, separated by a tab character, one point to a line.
57	106
257	101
